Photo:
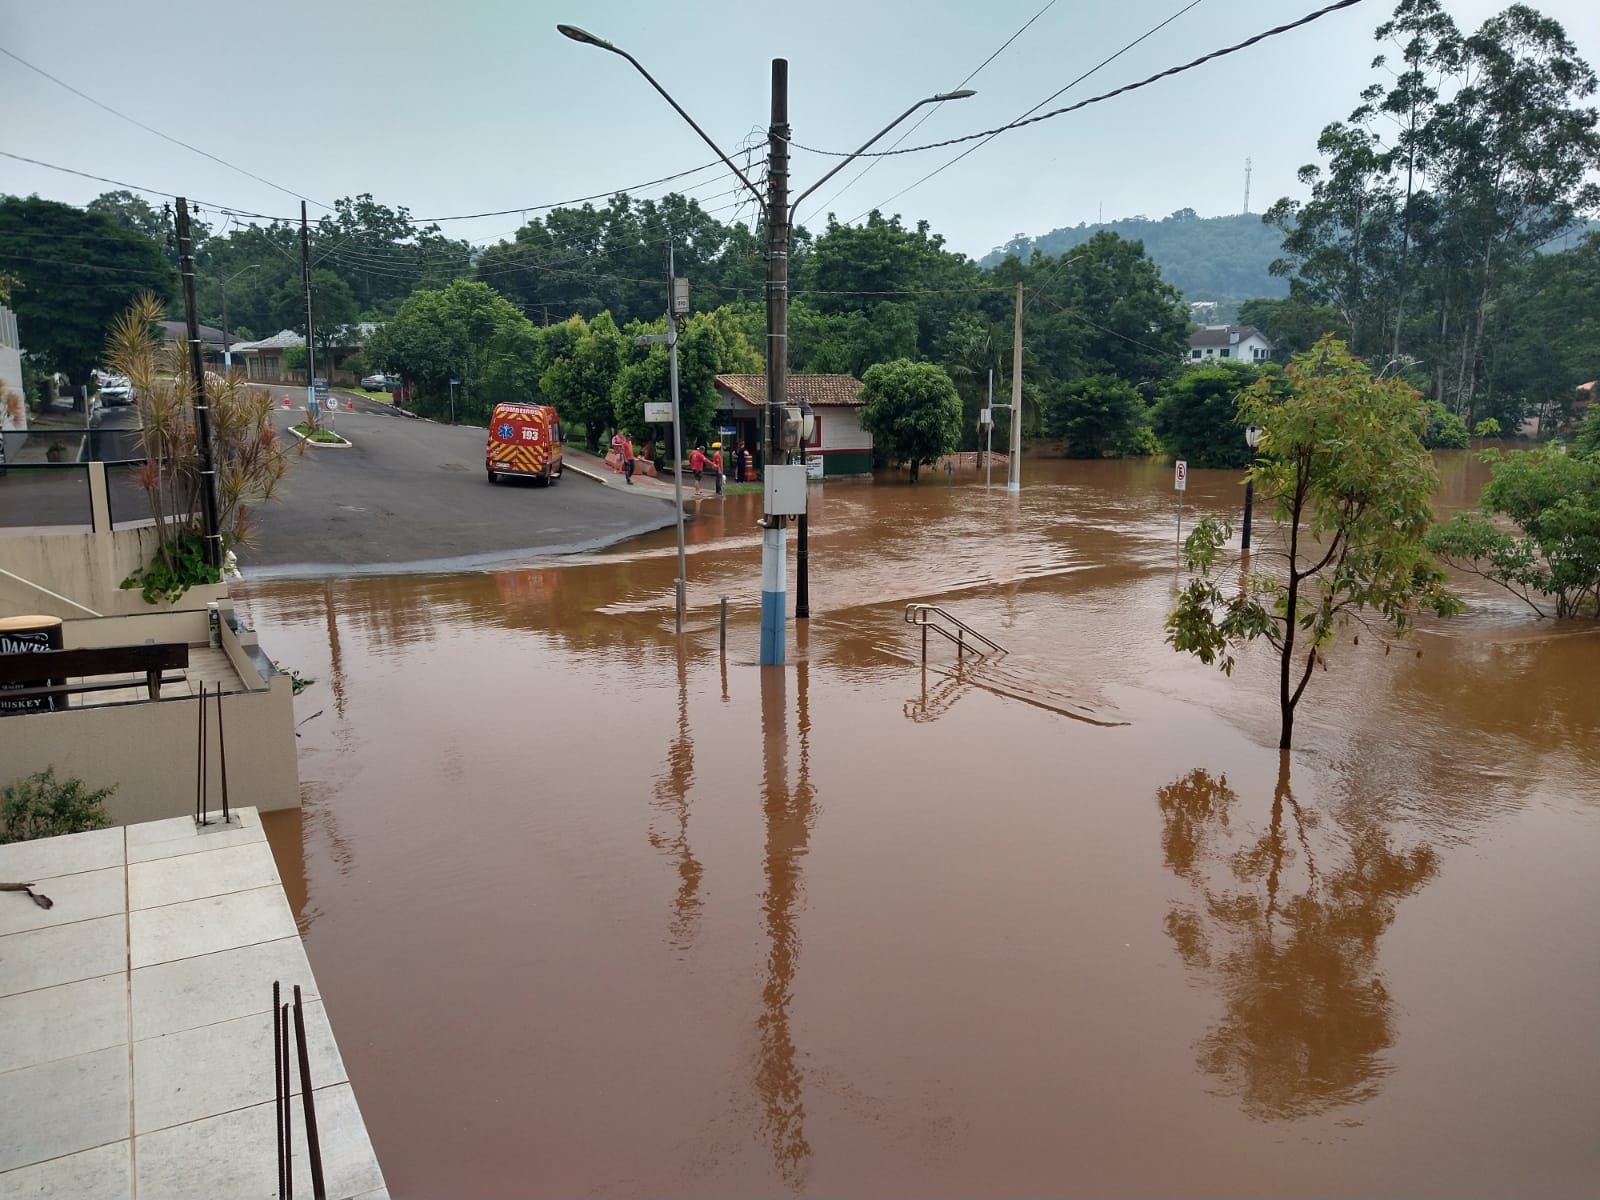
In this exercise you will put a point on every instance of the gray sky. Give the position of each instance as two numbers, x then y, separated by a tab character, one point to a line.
460	108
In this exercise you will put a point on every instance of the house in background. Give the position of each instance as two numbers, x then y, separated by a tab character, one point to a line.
1245	343
262	361
838	446
175	335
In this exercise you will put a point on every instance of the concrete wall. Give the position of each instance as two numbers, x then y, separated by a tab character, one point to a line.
85	568
148	750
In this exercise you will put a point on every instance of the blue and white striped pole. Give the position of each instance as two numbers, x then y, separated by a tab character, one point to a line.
774	594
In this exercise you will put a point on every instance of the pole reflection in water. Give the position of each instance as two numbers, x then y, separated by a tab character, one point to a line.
335	655
672	802
1293	950
788	819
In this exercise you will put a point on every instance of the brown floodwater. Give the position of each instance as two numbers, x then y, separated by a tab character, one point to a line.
599	913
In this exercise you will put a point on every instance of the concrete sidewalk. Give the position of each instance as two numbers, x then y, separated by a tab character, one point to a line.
598	469
136	1035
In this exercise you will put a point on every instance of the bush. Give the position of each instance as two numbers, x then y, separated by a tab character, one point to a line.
1445	431
41	807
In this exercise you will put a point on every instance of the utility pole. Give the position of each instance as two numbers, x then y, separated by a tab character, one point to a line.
774	601
1247	186
1014	476
988	429
202	409
311	353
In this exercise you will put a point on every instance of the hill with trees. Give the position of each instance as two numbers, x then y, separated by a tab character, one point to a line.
1206	258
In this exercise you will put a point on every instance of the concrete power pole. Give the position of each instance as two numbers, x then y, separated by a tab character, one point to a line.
311	352
774	589
1014	475
202	409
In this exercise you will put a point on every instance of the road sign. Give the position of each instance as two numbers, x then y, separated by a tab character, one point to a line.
814	466
1180	478
657	411
455	383
333	404
985	417
321	386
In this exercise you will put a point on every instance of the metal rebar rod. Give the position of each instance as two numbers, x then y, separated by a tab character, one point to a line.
308	1102
277	1077
288	1112
200	741
222	754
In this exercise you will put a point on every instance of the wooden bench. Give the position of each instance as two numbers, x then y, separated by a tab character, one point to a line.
149	659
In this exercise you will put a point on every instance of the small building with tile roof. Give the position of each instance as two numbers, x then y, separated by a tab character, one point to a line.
838	446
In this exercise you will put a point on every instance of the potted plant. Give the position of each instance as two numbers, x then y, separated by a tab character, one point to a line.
56	452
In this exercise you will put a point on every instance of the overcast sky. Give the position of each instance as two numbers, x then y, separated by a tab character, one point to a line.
458	108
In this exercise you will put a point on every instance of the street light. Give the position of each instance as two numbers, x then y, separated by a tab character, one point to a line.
1252	438
780	215
227	352
670	337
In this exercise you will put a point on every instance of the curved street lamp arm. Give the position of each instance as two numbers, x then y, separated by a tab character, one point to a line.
579	35
868	144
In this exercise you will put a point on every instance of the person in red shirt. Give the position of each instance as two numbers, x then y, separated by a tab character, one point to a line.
627	456
697	464
716	465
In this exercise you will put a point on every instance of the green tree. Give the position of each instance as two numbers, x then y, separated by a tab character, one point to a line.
1197	419
1343	467
467	331
78	272
1293	324
709	344
582	374
1099	414
134	212
1553	496
912	411
41	806
1473	153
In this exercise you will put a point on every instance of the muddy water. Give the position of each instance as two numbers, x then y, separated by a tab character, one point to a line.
599	916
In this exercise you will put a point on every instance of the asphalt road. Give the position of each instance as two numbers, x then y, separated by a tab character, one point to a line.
410	495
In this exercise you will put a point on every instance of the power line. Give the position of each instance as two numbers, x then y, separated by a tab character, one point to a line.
918	124
1129	87
526	208
152	129
1022	120
134	187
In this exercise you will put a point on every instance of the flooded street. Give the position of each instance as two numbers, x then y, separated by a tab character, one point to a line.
602	914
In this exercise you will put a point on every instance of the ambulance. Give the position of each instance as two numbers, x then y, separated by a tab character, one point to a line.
525	440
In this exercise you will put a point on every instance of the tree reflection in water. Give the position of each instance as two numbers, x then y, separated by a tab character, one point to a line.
1292	947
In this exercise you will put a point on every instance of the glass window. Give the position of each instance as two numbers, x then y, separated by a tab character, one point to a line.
1223	352
1194	354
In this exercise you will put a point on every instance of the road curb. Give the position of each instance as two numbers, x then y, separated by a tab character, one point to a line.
344	444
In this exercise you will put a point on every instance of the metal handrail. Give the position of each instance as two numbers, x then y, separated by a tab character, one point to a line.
919	614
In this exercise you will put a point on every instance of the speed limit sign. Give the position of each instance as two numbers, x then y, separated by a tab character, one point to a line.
1180	479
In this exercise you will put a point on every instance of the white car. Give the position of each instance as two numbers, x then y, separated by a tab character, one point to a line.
116	390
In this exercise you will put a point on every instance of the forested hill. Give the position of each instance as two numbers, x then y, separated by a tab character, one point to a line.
1206	258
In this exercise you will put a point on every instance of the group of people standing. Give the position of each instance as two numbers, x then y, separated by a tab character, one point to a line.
700	461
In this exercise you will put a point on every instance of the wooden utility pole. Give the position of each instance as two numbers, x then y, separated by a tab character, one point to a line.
1014	474
202	409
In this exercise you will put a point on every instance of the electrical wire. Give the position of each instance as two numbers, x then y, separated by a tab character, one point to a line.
1024	118
1128	87
134	187
822	207
152	129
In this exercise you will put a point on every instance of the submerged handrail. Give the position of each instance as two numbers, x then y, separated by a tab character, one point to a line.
923	614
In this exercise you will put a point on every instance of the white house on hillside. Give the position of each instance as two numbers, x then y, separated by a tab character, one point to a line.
1243	342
